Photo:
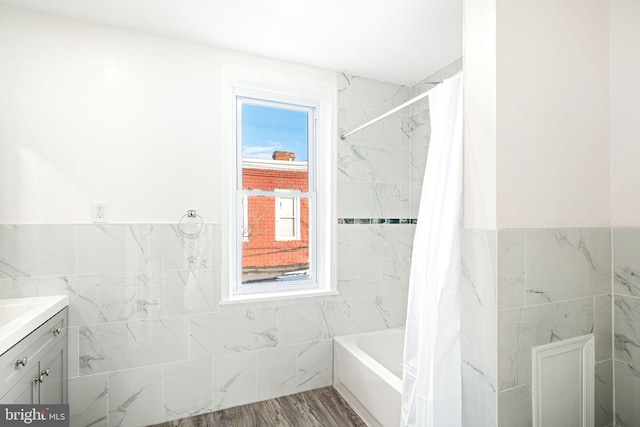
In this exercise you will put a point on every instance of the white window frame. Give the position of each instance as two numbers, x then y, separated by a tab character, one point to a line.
322	94
296	218
251	97
245	218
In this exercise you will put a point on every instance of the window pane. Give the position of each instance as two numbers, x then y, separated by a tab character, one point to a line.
267	256
274	146
287	208
287	228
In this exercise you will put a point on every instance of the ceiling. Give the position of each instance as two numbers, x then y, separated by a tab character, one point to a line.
400	41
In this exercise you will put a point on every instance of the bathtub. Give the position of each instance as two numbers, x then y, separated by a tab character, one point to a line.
367	372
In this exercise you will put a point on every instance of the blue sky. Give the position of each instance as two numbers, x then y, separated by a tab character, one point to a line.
268	129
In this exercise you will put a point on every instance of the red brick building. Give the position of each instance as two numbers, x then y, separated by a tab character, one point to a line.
276	240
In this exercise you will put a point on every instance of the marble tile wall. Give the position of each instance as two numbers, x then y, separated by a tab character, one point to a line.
373	182
374	177
381	169
380	173
479	328
148	341
523	288
626	315
553	284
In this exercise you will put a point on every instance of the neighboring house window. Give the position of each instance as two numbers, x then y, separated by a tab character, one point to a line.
287	216
280	231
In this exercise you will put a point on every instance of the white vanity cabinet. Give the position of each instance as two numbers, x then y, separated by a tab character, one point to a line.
34	371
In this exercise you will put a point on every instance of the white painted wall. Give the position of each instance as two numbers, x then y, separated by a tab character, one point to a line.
553	113
479	113
625	109
537	113
96	113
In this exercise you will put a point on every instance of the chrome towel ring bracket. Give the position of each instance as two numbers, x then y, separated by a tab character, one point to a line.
191	224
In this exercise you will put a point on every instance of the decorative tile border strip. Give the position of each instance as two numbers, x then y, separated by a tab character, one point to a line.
377	220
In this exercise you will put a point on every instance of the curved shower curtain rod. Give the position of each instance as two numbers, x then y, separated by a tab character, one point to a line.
390	112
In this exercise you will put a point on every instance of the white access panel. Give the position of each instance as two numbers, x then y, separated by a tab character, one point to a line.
563	383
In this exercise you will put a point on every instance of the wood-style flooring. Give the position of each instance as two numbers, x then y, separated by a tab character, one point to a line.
318	408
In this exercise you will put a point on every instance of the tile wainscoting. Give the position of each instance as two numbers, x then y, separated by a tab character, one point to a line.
149	341
524	288
626	329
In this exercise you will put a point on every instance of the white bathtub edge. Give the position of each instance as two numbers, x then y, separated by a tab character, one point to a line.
355	404
349	343
365	383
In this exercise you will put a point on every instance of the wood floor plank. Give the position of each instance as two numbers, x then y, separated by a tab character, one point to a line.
316	408
337	407
299	409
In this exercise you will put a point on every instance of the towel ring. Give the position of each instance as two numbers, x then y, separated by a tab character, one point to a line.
191	213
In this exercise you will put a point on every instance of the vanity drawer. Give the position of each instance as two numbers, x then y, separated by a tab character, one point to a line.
30	349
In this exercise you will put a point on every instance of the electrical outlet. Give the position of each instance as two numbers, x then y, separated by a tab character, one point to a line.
99	212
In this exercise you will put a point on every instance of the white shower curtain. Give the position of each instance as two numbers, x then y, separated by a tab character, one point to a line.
431	383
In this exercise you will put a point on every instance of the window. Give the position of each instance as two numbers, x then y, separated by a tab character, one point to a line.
275	141
280	229
287	215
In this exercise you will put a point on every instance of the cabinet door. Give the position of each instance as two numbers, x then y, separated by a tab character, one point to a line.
25	391
53	368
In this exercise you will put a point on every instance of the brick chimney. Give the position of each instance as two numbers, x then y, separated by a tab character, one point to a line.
283	155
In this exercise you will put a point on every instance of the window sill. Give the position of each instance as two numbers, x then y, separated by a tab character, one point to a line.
277	296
